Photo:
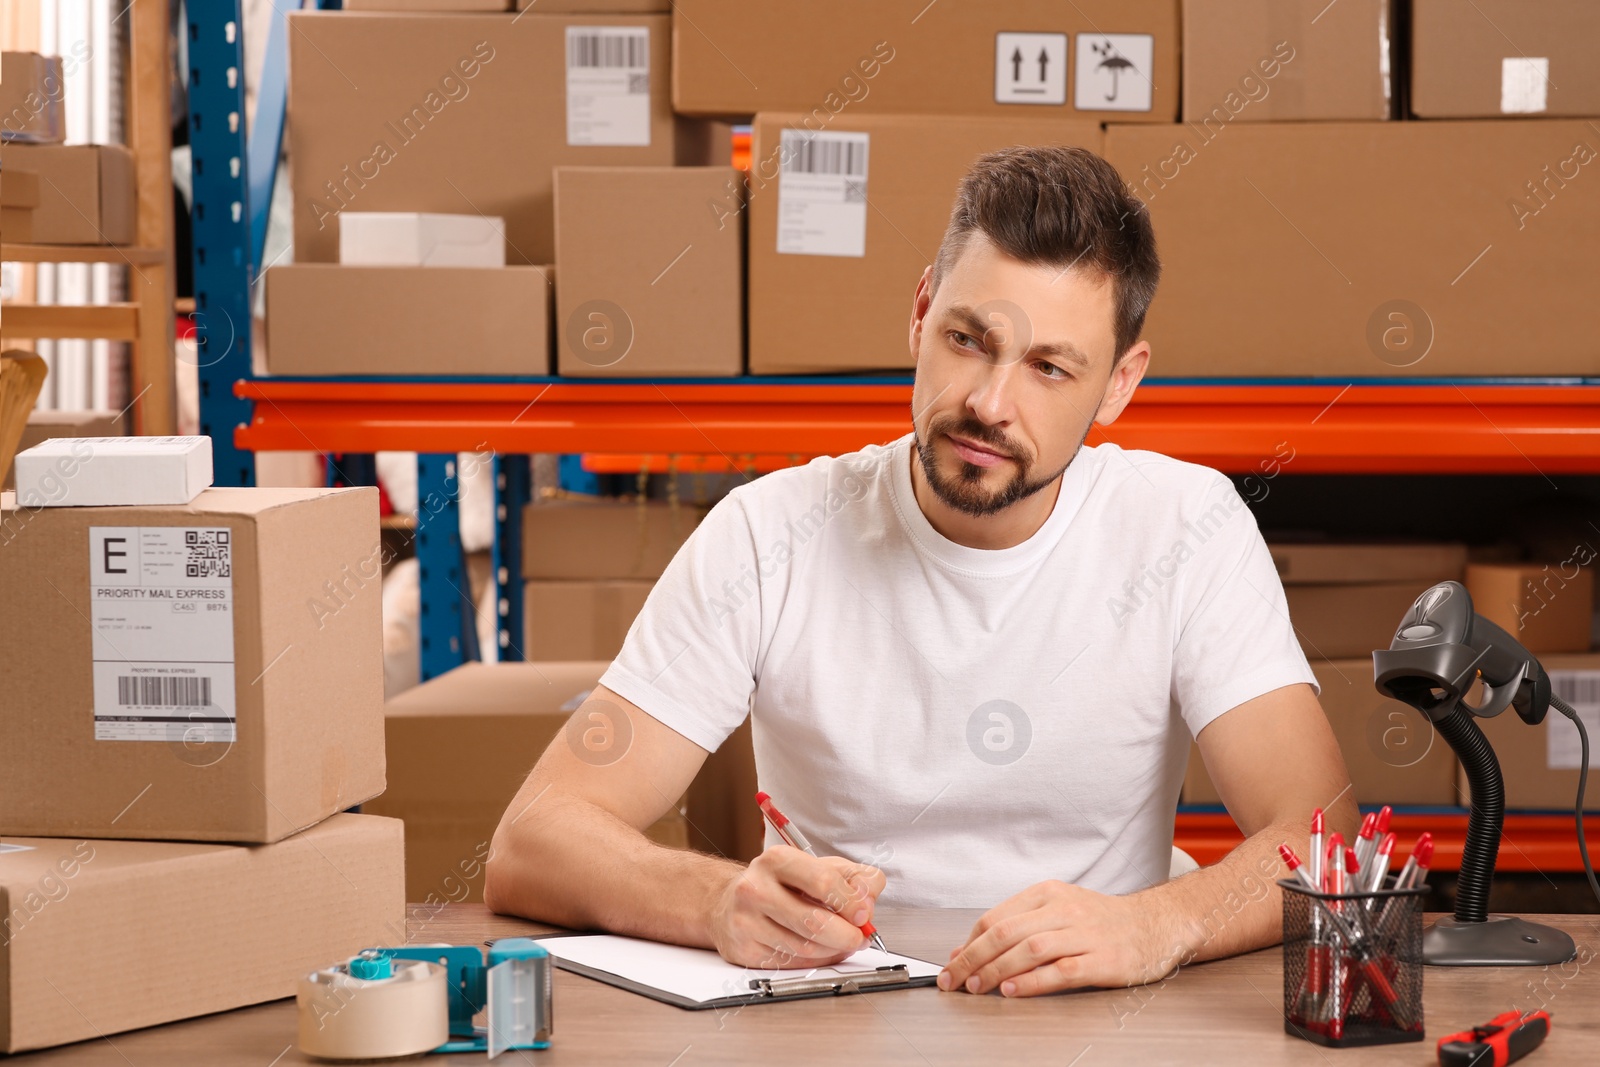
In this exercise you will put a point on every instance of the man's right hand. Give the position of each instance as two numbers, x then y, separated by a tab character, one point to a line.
790	909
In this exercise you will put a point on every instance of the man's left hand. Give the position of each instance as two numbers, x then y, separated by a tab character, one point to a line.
1054	936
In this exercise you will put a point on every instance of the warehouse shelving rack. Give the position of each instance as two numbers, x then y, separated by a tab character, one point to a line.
145	320
1359	425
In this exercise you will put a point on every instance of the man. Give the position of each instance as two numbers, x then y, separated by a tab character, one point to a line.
974	657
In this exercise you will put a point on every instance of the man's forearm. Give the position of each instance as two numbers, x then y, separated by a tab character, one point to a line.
567	861
1234	905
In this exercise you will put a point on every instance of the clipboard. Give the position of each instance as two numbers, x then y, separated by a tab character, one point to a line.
682	976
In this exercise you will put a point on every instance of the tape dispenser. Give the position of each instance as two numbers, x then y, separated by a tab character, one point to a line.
404	1001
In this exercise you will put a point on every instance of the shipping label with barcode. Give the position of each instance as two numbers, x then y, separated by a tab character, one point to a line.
608	85
1563	750
161	604
822	193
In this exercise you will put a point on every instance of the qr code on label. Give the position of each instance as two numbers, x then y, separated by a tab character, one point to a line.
855	192
209	552
639	84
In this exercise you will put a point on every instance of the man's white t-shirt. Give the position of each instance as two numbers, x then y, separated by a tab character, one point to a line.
972	721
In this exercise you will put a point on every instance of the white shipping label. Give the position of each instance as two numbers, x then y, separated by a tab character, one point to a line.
161	604
822	194
1523	81
608	85
1563	750
1114	72
1030	68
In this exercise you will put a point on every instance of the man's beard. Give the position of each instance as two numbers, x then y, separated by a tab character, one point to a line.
965	492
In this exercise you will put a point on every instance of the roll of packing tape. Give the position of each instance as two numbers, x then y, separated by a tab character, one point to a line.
344	1017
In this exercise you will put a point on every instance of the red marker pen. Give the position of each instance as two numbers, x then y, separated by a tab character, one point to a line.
795	838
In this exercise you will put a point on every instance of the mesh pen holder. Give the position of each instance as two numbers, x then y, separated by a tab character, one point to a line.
1352	965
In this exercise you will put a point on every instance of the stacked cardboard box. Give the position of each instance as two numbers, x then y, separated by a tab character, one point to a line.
1540	764
31	104
1347	599
1488	58
19	196
1548	607
589	566
204	673
85	192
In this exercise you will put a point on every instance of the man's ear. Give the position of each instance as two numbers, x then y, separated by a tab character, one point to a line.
1124	380
920	302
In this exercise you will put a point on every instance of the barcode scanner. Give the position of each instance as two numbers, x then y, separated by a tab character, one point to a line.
1441	650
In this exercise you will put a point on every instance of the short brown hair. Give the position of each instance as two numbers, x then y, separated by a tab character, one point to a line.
1060	206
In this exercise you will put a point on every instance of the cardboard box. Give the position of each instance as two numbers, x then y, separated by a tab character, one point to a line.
19	195
106	936
48	425
1490	58
1091	59
1549	608
66	472
1367	249
603	7
602	538
429	5
239	701
418	239
580	619
844	233
1391	750
31	111
650	282
1338	620
327	319
86	194
1329	562
467	113
459	748
1539	764
1284	60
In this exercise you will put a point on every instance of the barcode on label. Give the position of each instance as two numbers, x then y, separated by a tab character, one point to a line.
208	554
614	51
816	156
1576	687
163	692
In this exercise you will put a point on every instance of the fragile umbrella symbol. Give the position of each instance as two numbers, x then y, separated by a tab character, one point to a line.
1113	62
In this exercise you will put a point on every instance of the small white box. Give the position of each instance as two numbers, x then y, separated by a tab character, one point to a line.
417	239
70	472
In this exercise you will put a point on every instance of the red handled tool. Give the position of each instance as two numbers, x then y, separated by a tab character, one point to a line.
1504	1039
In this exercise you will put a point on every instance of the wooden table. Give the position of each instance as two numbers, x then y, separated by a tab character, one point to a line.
1226	1012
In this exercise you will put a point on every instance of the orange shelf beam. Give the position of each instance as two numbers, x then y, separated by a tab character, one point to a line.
1547	843
1240	429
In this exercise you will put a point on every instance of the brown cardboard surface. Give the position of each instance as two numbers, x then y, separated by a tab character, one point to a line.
1457	48
16	224
323	318
107	936
430	5
1281	60
1373	249
31	97
459	748
1547	607
1524	751
1338	620
19	188
603	7
85	192
731	57
1391	750
602	538
915	163
496	89
650	283
1342	563
580	619
46	425
307	663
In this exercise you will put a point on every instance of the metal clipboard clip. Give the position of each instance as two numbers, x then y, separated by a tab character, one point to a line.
845	982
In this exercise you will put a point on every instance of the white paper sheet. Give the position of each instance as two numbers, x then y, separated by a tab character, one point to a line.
700	974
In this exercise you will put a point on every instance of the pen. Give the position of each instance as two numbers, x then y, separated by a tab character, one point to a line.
794	837
1365	838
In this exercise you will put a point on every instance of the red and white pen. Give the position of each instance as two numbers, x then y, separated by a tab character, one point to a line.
794	837
1315	855
1380	865
1366	838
